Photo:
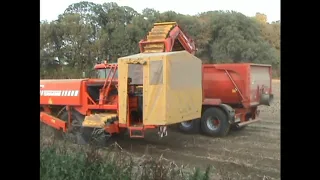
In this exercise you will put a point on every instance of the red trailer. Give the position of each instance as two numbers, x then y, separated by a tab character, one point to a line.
231	96
231	92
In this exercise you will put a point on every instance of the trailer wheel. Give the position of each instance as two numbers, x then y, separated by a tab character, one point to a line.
191	126
214	122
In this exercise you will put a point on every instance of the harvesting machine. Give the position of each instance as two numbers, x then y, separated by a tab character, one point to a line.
162	85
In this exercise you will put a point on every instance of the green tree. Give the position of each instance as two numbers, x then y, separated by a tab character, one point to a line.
87	33
236	38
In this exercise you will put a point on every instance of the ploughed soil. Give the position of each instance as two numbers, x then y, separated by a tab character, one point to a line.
251	153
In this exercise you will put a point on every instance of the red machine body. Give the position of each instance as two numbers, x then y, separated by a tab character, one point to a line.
236	84
61	92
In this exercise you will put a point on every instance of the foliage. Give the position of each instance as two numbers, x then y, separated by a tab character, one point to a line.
62	161
87	33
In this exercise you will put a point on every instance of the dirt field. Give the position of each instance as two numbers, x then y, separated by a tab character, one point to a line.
252	153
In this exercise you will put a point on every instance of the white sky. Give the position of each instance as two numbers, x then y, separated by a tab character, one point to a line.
50	9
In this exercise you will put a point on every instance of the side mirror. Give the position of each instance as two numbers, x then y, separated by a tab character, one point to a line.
83	74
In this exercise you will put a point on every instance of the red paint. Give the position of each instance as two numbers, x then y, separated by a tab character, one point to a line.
175	33
53	121
217	84
61	85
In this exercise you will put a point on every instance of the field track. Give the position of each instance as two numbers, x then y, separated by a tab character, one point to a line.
252	153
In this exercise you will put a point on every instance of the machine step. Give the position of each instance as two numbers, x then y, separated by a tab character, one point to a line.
136	131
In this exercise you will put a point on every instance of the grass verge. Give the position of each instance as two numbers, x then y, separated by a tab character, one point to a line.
60	160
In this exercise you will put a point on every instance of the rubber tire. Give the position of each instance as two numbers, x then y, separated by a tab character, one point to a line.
194	128
74	114
224	128
83	137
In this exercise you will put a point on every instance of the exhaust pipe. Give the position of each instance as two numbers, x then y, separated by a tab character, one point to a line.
266	99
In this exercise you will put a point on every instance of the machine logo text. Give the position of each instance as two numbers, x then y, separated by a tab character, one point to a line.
59	92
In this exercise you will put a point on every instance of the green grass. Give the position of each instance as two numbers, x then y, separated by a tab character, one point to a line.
60	160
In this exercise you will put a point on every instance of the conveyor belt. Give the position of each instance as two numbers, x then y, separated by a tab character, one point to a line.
159	32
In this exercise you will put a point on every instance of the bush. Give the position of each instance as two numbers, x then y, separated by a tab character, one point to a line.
61	161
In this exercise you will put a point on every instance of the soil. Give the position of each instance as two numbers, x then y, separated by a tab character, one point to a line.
252	153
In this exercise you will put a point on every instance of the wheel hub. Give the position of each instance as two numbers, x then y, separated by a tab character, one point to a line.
213	123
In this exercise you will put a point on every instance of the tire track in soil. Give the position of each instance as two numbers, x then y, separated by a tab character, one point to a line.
275	124
265	127
201	156
247	150
252	153
257	158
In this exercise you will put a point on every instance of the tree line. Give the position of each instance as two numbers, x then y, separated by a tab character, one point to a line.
87	33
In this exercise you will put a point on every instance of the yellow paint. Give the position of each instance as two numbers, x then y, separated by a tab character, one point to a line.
159	32
136	61
172	87
50	101
97	120
165	23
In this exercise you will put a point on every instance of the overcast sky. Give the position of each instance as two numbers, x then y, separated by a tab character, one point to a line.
50	9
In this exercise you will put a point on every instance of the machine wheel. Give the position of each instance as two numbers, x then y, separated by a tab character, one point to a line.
77	120
191	126
214	122
93	136
85	135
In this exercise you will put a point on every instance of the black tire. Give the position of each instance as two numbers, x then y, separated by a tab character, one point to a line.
218	116
94	136
190	127
85	135
77	120
75	129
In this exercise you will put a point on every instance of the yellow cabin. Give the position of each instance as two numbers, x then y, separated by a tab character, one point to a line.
171	83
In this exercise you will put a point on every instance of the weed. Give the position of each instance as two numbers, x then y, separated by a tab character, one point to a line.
60	160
